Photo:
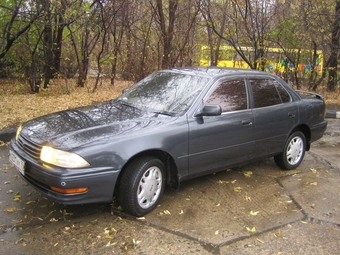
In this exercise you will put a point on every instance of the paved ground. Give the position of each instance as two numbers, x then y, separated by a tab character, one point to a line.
254	209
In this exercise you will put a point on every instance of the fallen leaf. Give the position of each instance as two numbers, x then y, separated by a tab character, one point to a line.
17	196
237	189
167	212
216	232
314	183
254	213
251	230
314	171
278	234
7	182
135	241
66	213
10	210
247	173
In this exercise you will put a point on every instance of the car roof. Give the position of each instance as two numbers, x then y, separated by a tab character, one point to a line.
212	71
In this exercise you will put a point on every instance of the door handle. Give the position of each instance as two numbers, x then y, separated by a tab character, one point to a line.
247	123
291	114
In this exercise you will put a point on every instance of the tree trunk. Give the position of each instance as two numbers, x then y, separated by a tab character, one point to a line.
57	47
167	33
83	72
333	63
48	45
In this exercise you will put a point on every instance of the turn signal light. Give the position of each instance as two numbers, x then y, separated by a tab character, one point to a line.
69	191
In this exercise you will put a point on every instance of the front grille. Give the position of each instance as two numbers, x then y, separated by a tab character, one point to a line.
30	148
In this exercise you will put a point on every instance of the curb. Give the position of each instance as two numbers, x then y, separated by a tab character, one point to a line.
333	114
7	135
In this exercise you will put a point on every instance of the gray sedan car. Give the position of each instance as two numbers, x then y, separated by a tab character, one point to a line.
171	126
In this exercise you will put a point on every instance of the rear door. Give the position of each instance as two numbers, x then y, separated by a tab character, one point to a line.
275	114
219	141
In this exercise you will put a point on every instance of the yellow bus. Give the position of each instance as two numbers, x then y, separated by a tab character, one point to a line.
274	60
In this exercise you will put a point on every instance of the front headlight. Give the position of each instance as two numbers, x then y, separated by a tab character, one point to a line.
62	158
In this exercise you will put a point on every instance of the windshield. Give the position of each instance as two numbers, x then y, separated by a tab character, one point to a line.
164	92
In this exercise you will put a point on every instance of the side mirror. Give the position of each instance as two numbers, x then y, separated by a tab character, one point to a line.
210	110
124	90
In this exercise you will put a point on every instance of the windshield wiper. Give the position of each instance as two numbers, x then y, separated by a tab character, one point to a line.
165	113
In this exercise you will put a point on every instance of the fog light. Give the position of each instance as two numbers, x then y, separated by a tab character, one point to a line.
69	191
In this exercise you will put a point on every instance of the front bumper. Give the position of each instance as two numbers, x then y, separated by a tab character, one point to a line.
100	181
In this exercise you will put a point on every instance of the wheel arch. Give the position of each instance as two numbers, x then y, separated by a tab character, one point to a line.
306	132
168	161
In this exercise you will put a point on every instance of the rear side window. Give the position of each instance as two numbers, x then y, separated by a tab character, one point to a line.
231	95
266	92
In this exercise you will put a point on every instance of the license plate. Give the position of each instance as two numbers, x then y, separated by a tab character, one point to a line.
17	162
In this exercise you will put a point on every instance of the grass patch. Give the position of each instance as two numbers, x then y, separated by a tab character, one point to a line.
17	104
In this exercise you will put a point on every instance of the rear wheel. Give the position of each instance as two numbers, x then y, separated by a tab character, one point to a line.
142	185
293	152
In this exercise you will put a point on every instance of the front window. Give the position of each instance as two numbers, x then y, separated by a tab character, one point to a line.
231	95
164	92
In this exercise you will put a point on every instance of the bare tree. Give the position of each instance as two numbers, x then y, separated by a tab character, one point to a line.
84	35
248	29
17	25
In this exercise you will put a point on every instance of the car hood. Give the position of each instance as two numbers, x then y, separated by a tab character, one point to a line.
73	128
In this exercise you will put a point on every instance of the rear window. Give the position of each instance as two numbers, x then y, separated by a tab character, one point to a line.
267	92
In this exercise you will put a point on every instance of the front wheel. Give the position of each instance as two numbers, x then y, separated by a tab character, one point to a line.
142	185
293	152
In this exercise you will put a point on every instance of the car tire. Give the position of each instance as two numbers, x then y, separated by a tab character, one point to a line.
293	152
142	186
